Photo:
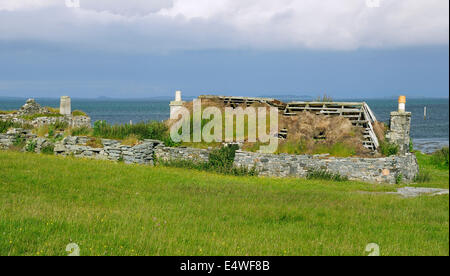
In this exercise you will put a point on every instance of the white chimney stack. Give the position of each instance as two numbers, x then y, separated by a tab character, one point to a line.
65	107
175	105
401	104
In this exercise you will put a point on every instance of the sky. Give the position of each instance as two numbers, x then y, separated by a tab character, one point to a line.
141	48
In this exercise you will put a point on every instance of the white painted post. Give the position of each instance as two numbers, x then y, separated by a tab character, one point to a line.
65	107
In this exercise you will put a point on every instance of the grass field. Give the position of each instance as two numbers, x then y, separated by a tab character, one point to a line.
110	208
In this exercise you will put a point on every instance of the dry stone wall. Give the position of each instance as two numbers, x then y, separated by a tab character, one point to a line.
108	150
196	155
380	170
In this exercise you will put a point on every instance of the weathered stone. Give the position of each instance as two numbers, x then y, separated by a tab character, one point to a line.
399	130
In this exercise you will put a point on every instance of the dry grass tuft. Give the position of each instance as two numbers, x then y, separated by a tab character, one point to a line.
132	140
95	143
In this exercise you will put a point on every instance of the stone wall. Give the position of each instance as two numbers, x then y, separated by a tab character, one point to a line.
381	170
108	150
8	139
167	154
72	121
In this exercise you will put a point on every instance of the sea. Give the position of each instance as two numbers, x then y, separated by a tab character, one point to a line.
428	134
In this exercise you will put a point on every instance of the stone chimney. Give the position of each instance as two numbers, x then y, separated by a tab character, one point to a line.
65	107
175	105
399	127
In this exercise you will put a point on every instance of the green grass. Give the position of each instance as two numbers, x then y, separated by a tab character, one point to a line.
111	208
436	175
78	113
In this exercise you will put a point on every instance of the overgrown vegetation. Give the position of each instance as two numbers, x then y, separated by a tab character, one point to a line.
7	124
80	131
132	140
440	158
388	149
432	173
143	130
94	142
325	175
219	161
39	115
423	177
50	130
31	146
78	113
48	149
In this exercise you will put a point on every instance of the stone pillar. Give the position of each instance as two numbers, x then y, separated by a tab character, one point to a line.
175	105
65	106
399	127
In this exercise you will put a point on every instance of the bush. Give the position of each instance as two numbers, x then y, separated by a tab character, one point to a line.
223	158
388	149
325	175
220	161
440	158
31	146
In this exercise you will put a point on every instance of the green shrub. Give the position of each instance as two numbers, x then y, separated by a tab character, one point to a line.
223	158
49	149
399	178
325	175
220	161
440	158
422	177
388	149
411	146
31	146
